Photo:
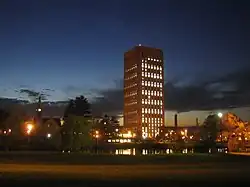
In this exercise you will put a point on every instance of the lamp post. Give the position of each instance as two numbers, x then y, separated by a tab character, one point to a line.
220	115
29	129
96	140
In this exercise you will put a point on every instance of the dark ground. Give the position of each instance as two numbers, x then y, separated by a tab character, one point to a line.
47	169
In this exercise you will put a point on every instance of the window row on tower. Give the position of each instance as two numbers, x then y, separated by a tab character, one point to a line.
152	93
131	69
150	66
152	102
150	120
152	111
152	75
152	84
151	59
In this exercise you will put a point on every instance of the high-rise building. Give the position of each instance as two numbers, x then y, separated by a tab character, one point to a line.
144	91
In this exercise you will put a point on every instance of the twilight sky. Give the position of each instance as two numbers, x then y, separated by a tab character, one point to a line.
76	46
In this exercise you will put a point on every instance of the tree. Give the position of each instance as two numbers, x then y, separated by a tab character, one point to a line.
77	127
3	116
16	117
210	130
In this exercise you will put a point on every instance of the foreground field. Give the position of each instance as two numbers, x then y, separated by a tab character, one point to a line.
87	159
104	170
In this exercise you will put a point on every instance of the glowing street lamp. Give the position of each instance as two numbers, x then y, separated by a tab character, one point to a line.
220	115
96	140
48	135
29	128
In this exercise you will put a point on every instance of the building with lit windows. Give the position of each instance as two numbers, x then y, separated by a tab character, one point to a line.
144	91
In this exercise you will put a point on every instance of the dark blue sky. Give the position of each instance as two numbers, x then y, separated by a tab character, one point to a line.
77	46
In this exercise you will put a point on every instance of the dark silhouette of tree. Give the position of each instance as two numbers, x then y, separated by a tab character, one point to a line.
76	129
4	138
78	107
210	130
3	116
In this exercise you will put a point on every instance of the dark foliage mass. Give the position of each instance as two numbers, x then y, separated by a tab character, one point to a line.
34	95
78	107
232	90
3	116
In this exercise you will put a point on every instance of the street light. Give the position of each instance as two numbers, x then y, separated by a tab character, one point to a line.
48	135
96	139
29	128
220	115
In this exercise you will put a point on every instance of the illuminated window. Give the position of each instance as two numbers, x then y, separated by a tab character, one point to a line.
142	110
152	67
146	111
146	102
160	93
155	111
142	92
146	65
142	101
146	83
154	59
161	85
157	67
152	92
161	102
155	102
142	65
157	84
145	92
155	93
157	60
152	84
160	68
148	74
157	76
149	93
142	61
158	102
142	74
152	102
154	75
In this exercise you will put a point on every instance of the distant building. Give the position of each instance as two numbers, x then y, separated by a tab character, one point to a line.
107	127
144	91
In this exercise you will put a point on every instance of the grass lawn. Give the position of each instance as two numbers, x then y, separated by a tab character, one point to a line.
80	158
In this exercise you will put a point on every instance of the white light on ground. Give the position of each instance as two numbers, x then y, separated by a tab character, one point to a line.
48	135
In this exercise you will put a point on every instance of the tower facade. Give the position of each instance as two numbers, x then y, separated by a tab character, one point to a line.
144	91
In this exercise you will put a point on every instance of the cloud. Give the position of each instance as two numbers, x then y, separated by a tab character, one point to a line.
34	95
231	90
